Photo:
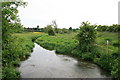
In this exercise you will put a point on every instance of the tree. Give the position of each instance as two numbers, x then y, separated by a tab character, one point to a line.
50	30
55	26
86	37
38	28
10	19
70	28
10	24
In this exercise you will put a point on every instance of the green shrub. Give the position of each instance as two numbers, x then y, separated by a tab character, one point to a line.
10	72
51	32
115	69
86	37
66	44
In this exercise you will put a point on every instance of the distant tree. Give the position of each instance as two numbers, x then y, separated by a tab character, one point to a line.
64	30
60	31
77	28
55	26
38	28
70	28
74	30
50	30
41	29
117	28
112	28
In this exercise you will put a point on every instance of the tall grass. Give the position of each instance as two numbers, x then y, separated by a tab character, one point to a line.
18	48
67	44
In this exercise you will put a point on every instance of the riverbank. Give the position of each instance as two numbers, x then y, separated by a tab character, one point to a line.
19	48
21	45
45	63
67	44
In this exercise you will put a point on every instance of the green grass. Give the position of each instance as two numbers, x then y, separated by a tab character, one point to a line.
27	41
18	48
62	43
102	37
21	45
69	40
67	44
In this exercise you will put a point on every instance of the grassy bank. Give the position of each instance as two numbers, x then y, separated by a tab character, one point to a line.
67	44
18	48
61	43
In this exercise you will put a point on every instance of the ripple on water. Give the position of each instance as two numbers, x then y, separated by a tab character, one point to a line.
46	64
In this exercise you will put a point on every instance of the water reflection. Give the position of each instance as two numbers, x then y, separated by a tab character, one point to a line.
47	64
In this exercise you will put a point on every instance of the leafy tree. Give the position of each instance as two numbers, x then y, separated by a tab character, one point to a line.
86	37
50	30
70	28
10	24
102	28
38	29
37	26
10	19
112	28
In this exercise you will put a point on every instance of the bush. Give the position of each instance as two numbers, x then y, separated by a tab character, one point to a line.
86	37
51	32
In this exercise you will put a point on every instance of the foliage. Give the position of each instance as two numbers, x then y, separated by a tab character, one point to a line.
10	24
50	30
70	28
67	44
18	48
61	43
10	20
111	28
64	30
86	37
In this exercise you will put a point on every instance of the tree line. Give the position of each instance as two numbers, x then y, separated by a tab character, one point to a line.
52	29
111	28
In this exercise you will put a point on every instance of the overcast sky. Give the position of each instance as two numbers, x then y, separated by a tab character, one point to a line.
69	13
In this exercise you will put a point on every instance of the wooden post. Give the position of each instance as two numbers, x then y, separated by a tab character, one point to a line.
107	48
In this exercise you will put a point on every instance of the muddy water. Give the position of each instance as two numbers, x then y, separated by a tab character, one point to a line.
47	64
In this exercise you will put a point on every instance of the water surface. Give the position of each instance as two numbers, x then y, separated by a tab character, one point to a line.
47	64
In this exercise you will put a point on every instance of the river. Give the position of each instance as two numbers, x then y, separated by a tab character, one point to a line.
44	63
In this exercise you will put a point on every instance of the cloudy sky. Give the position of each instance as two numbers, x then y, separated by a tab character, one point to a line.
69	13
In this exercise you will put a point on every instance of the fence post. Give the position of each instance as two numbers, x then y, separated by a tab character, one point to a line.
107	48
